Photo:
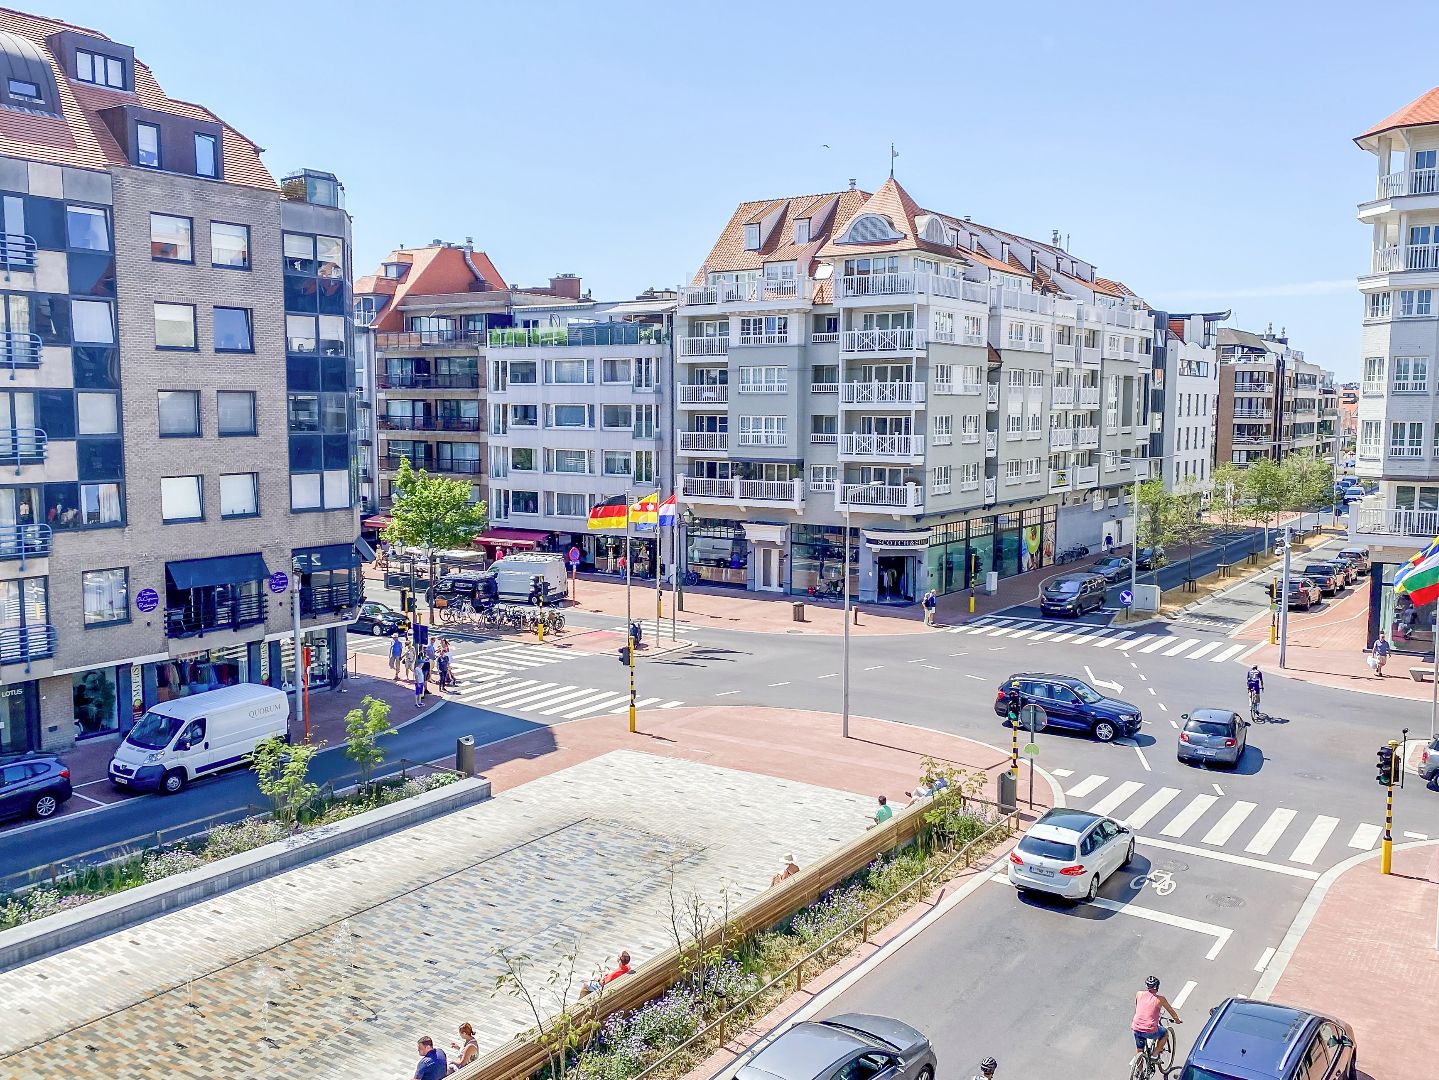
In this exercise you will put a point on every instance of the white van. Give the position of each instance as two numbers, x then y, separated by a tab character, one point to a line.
177	741
515	574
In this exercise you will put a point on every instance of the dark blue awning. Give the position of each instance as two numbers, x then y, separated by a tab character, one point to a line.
225	570
315	560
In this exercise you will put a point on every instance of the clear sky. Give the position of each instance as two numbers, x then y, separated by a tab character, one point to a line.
1202	154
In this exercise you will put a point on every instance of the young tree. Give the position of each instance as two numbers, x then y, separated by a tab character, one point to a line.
1311	482
432	512
363	729
561	1029
1226	499
1267	492
1156	515
1187	523
282	772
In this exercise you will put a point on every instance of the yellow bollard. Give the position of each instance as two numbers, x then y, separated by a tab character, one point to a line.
540	630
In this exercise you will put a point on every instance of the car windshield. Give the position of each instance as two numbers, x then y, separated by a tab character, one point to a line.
1196	1072
154	731
1086	695
1208	727
1049	849
1065	587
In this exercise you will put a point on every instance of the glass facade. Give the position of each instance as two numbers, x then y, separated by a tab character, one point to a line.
717	552
961	553
19	717
1409	628
817	561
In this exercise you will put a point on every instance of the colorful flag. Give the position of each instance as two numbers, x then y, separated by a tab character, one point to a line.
609	514
644	514
1419	581
1415	559
667	511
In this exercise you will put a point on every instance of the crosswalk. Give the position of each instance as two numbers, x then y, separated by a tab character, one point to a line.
1130	642
493	679
1219	821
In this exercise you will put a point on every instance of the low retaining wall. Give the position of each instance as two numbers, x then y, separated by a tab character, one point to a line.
120	911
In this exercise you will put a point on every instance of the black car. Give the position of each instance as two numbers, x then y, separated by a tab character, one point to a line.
36	784
1073	594
1115	568
379	620
1071	705
1260	1040
1324	575
1150	558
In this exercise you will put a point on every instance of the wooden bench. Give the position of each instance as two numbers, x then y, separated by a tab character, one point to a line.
1422	674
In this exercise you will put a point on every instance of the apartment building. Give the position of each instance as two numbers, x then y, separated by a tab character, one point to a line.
1348	422
1270	398
1185	397
171	311
1398	439
966	398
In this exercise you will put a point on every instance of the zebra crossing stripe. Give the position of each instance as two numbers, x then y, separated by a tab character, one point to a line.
542	698
1269	833
1189	815
606	704
1205	649
1229	823
1106	639
557	705
998	631
1133	642
1308	849
644	703
1157	643
1149	809
504	697
1022	633
1227	653
671	704
1085	786
1116	797
1186	644
1364	837
1043	634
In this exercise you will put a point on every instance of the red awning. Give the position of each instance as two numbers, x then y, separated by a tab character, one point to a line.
375	521
518	538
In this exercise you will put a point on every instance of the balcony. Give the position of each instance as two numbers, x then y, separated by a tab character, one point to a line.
22	446
881	446
882	393
329	599
592	336
1064	353
1060	480
780	337
1086	476
704	441
704	394
427	339
894	498
967	437
22	644
1399	257
1406	452
197	620
708	345
24	542
824	337
457	466
17	251
853	286
430	423
1241	413
989	488
787	494
385	380
1062	397
757	291
763	387
764	438
19	351
991	397
1086	438
991	444
1089	355
1060	438
1089	397
880	341
824	388
823	438
1018	300
1408	182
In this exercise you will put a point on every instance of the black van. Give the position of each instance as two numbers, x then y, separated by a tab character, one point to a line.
1073	594
479	587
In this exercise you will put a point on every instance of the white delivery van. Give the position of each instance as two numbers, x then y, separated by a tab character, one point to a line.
177	741
515	575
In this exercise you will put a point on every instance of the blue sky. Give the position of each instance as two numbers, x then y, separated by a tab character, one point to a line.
1200	153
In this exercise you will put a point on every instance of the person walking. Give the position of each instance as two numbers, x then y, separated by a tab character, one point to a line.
1379	655
427	661
407	660
931	601
1109	543
420	687
397	650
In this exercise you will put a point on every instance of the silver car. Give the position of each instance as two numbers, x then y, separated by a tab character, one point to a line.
1212	737
1070	853
852	1046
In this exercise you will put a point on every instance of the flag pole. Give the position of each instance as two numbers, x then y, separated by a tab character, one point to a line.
659	578
675	566
629	615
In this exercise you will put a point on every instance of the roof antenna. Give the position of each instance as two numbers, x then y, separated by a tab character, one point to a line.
893	153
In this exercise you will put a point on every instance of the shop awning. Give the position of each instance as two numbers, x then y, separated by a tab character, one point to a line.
314	560
521	538
375	521
225	570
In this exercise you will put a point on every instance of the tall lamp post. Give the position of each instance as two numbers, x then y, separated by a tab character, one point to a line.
844	667
683	522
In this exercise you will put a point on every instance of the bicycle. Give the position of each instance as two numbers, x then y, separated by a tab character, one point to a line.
1255	716
1146	1062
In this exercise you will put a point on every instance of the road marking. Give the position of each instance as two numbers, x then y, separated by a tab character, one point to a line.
1041	635
1116	687
1143	677
1021	633
1062	772
1187	643
671	704
1157	643
1107	805
87	798
1133	642
875	668
1165	708
567	699
1183	820
726	693
1172	723
1269	833
980	678
1150	807
1308	849
999	632
540	698
1152	690
529	686
1142	759
1205	649
1085	786
1417	836
954	653
613	702
866	669
1364	836
555	706
1264	958
921	660
1229	823
1237	860
1183	995
831	675
1218	790
1219	657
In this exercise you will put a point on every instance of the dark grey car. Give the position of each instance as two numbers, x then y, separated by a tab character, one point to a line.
1212	737
851	1046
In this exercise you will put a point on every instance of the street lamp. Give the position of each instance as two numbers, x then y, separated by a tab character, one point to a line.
686	519
844	667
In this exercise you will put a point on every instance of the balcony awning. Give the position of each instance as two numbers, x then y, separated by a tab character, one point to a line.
520	538
375	521
225	570
315	560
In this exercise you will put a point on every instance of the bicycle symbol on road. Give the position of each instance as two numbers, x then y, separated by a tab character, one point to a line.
1161	881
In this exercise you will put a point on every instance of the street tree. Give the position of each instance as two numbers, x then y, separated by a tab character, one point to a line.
364	728
432	512
282	773
1155	525
1188	525
1226	499
1268	492
1311	480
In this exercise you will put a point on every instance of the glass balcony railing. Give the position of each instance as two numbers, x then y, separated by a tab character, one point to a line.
577	336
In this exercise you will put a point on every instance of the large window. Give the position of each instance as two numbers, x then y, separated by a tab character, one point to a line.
180	498
207	156
92	322
237	412
229	245
615	370
305	491
88	228
570	416
301	333
179	413
96	414
232	330
172	239
99	70
616	417
568	505
763	380
569	371
329	490
147	146
569	461
174	326
239	495
106	596
617	463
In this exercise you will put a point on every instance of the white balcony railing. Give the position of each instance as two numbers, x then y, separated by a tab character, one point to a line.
1062	396
1396	257
881	446
1086	438
1086	476
777	338
882	393
710	345
883	496
704	394
706	487
1064	353
1406	451
1372	387
989	487
1060	480
764	438
1060	438
968	437
954	288
1018	300
704	440
789	492
1394	521
743	292
1408	182
1089	356
824	388
991	443
870	341
1089	397
823	438
824	338
991	397
763	387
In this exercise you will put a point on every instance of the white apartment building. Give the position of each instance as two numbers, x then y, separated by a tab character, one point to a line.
1185	398
969	399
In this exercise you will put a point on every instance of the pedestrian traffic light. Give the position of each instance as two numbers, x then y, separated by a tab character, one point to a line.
1012	710
625	655
1386	766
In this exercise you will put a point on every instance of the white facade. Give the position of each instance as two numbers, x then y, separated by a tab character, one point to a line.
1190	395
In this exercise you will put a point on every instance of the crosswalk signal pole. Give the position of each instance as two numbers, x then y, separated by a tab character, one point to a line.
1389	763
1013	712
633	645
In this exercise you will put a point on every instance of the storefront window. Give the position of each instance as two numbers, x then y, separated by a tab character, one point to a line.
198	672
717	552
17	702
1410	629
95	699
817	562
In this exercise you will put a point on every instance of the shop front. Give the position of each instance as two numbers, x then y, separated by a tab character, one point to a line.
1409	627
816	562
499	542
962	553
604	553
716	553
19	718
767	555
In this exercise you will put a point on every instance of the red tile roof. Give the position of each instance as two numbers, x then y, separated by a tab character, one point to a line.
434	271
1422	110
729	251
79	137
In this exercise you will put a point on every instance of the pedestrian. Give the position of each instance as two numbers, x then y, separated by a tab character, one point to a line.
595	985
397	650
1108	543
930	602
884	813
428	660
444	662
407	660
1379	655
433	1065
469	1050
419	686
791	868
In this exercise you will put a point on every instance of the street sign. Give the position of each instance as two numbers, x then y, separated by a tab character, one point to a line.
575	556
147	600
1033	718
279	581
1125	597
1031	749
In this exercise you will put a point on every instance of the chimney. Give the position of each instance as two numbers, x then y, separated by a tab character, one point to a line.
853	184
469	243
1004	251
566	285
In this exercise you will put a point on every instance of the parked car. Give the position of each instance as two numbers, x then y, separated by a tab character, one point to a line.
379	620
1349	565
1115	568
1354	494
1261	1040
1073	594
35	784
1069	853
1327	576
1071	705
1212	737
1150	558
1429	761
1360	556
1304	592
850	1046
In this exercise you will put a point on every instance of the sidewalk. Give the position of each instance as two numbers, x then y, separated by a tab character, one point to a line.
1368	957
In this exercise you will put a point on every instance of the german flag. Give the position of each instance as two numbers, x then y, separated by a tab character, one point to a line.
609	514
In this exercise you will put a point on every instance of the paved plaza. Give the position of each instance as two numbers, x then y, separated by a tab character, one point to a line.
331	970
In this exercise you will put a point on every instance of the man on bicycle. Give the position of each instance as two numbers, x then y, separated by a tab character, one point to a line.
1148	1004
1255	682
986	1069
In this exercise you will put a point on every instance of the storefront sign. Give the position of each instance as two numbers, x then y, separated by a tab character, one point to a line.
279	581
147	600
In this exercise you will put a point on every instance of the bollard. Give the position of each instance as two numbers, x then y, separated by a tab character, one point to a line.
465	755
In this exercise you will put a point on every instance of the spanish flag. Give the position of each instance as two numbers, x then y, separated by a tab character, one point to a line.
609	514
646	513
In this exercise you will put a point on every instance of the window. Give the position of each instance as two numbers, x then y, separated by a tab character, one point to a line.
763	431
239	495
524	415
207	157
568	372
969	429
1406	440
939	480
570	416
801	231
232	330
1036	334
147	146
1032	467
229	245
943	433
106	595
305	491
644	427
969	476
616	417
96	414
751	237
1012	470
562	461
1369	438
567	505
179	413
88	228
1411	374
99	70
1378	305
1016	335
522	458
823	477
92	322
615	370
180	498
617	463
25	91
763	380
1016	379
301	333
764	330
644	376
644	467
1014	425
174	326
337	489
237	412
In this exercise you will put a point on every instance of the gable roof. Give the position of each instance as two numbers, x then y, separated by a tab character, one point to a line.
441	270
1422	110
729	251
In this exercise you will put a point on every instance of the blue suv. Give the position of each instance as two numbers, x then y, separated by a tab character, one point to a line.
1071	705
35	784
1257	1040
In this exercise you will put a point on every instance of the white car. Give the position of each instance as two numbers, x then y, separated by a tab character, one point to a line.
1070	853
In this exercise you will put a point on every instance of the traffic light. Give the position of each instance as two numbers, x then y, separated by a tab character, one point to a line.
1387	772
1012	710
625	655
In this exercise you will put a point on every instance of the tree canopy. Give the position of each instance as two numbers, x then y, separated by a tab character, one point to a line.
432	512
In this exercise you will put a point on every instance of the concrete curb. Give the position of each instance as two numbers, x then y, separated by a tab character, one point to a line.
1290	944
120	911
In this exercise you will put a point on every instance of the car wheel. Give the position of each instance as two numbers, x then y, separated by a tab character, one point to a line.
376	630
1104	731
173	782
1129	856
45	806
1093	889
926	1073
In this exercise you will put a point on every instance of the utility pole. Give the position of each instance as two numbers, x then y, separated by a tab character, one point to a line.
844	666
299	709
1134	544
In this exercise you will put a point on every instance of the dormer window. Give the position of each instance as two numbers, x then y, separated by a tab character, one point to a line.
396	270
147	146
751	237
801	231
99	70
207	156
870	228
20	90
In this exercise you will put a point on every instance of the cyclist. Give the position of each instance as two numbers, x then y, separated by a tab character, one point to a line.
1148	1005
986	1069
1255	682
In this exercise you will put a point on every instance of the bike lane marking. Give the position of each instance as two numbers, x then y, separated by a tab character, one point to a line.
1183	995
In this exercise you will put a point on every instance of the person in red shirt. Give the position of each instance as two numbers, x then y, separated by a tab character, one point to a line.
594	985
